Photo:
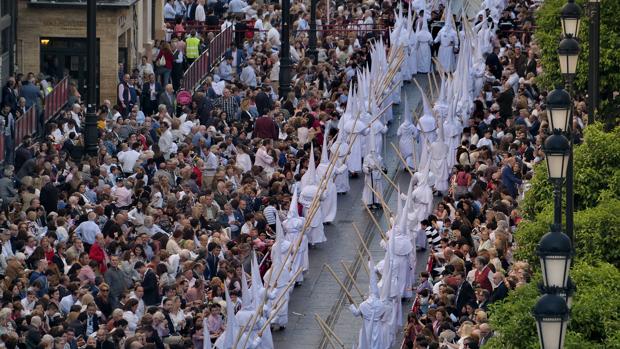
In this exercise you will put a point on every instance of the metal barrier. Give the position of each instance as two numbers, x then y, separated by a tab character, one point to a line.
26	124
56	100
211	55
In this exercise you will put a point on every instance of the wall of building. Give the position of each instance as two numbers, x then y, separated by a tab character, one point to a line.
70	22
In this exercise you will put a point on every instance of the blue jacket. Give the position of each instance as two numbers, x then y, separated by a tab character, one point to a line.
510	181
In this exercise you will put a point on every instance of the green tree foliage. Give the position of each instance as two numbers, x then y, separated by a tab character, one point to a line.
597	234
548	34
595	314
597	173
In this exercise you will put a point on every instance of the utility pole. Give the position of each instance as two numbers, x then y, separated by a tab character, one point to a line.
285	51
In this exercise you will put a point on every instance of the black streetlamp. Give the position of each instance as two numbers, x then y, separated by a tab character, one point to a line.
594	54
558	107
91	137
551	313
571	18
286	64
312	51
568	53
555	248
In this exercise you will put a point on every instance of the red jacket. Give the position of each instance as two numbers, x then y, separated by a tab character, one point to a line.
98	255
265	127
169	58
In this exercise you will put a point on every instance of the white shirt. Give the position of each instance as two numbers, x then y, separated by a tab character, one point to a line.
66	303
128	160
200	14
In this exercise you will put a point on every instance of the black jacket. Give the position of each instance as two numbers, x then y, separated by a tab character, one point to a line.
464	296
151	289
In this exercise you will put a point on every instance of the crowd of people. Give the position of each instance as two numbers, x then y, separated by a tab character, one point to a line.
147	243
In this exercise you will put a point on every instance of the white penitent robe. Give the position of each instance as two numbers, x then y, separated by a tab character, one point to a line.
341	175
374	312
452	130
279	292
411	60
372	178
423	51
292	227
428	135
315	232
329	206
439	165
407	134
354	161
401	264
447	40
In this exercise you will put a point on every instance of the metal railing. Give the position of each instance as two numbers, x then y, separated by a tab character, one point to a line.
207	60
56	100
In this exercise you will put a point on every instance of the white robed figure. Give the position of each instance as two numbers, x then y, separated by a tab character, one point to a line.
407	137
412	45
439	150
373	164
329	206
448	41
309	189
227	339
422	195
427	126
390	293
401	258
261	300
423	50
293	225
341	173
374	333
356	129
278	287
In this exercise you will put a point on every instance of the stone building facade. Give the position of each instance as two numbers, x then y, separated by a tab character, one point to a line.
51	38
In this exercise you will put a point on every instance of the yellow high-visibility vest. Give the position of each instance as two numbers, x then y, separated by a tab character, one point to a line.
191	47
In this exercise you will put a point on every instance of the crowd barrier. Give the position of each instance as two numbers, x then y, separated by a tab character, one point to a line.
207	60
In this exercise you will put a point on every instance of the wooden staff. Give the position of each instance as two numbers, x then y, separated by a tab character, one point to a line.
430	83
386	210
387	178
291	282
327	335
324	324
344	266
364	262
376	223
344	289
361	240
402	159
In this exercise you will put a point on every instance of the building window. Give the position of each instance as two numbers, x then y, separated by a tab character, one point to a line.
5	40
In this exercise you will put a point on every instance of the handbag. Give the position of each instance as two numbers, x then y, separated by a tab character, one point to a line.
161	62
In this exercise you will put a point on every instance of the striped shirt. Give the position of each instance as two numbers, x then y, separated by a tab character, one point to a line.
270	213
433	238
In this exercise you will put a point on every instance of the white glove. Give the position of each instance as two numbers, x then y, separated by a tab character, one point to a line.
354	309
272	295
256	342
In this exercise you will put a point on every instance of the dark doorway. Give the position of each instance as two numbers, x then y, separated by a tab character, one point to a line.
67	56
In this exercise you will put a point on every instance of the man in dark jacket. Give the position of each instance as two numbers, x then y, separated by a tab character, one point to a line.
49	195
149	283
263	101
464	293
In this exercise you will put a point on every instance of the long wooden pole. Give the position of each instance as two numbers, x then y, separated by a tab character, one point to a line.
361	240
346	269
327	334
374	220
364	264
402	159
344	289
318	318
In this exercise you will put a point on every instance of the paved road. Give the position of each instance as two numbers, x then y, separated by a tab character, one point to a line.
319	293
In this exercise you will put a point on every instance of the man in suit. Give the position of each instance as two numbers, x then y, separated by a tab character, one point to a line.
263	101
485	334
89	320
500	290
464	292
212	259
149	284
150	95
168	98
493	62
